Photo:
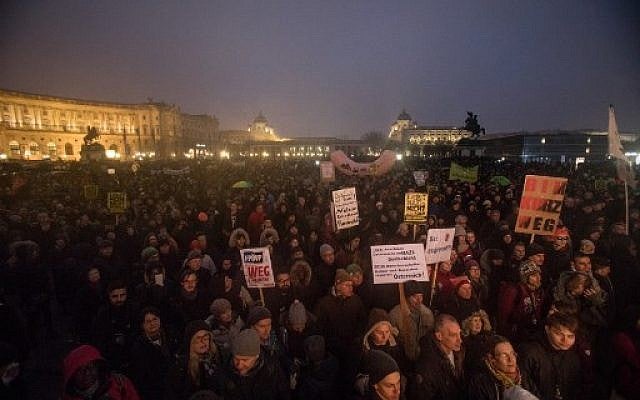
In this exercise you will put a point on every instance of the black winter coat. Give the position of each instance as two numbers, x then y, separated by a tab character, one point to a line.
266	381
549	370
341	321
149	366
435	377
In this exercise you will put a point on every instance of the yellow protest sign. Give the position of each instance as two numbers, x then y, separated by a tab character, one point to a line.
416	207
117	202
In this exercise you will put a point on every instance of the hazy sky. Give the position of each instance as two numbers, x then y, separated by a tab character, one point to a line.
337	68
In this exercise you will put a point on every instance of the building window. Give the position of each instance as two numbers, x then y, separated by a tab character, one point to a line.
51	149
34	148
114	147
14	148
68	149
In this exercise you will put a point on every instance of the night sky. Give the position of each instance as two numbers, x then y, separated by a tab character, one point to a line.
337	68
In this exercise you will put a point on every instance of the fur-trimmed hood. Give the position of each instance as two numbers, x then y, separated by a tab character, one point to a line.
234	236
300	273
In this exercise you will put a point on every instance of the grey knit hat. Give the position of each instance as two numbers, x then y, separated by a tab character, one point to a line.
297	313
326	248
246	344
219	307
257	314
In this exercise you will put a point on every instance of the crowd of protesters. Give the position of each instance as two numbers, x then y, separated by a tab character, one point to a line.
153	303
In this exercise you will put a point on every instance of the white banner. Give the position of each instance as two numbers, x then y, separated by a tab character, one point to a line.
398	263
439	245
346	208
256	264
420	177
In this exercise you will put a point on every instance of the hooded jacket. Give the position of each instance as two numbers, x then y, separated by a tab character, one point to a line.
115	386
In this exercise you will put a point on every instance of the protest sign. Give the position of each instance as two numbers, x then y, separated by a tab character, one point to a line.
256	264
464	174
117	202
420	177
398	263
327	171
439	245
415	207
347	166
540	204
345	207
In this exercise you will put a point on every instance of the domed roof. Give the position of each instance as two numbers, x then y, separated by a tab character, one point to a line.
404	116
260	119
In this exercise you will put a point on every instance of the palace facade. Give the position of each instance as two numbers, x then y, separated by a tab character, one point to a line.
37	127
406	131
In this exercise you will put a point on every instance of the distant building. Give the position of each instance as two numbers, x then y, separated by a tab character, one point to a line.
36	127
406	131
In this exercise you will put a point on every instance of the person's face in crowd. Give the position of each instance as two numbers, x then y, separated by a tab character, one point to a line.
195	263
569	202
474	273
603	271
131	231
293	243
267	224
537	258
403	230
475	325
118	297
283	280
226	316
244	364
448	336
381	334
465	291
463	220
519	251
470	237
263	328
86	377
151	325
357	279
84	220
355	243
494	216
560	242
445	266
241	241
111	236
298	255
93	275
153	241
60	243
534	280
165	248
189	283
578	286
201	342
313	236
233	208
507	239
582	263
328	257
226	264
560	337
202	239
504	359
389	387
393	214
345	289
415	300
587	209
259	209
302	201
106	251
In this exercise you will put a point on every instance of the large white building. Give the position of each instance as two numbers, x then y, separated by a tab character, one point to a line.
406	131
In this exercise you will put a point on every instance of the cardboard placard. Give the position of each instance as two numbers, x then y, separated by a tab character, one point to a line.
439	245
256	264
117	202
345	205
398	263
416	206
327	171
541	204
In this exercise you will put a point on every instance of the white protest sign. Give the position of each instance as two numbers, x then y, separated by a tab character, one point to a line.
439	245
327	171
398	263
420	177
346	208
256	264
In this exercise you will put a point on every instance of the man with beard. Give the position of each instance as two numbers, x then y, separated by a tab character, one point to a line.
520	305
115	326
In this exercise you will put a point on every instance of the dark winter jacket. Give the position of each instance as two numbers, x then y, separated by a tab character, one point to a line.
149	365
341	321
549	370
266	381
317	381
435	378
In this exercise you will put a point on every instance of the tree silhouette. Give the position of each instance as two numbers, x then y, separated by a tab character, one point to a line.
471	124
374	137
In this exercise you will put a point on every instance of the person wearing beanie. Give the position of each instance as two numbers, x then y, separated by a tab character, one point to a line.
148	254
414	321
197	365
260	320
382	335
535	253
318	373
479	282
520	305
462	302
383	376
361	286
341	319
86	375
326	270
297	326
251	374
225	325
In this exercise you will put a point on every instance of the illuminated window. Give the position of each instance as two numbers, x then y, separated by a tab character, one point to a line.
34	148
51	149
14	148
